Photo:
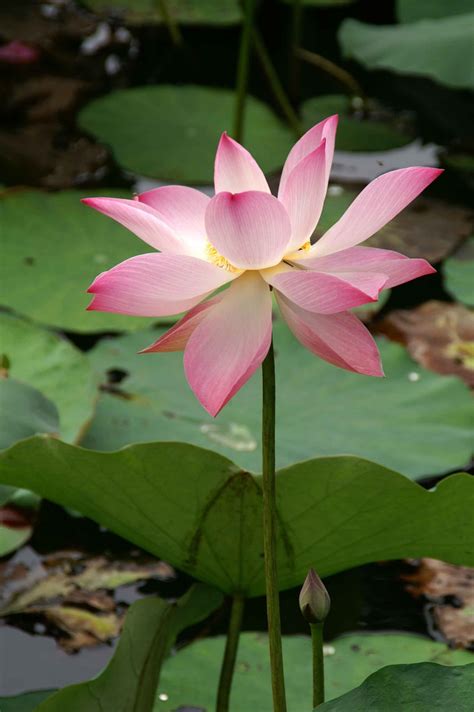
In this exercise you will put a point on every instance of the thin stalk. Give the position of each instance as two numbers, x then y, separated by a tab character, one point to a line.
243	70
275	83
170	22
295	41
269	531
230	654
318	663
351	85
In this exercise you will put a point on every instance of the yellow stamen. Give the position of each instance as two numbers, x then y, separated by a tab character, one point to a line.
306	247
219	260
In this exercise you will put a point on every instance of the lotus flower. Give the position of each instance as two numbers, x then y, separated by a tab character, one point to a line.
246	238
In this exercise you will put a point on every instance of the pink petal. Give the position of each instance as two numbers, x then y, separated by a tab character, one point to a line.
307	144
156	285
230	343
235	169
176	338
327	293
378	203
251	229
303	195
142	220
398	268
183	210
340	339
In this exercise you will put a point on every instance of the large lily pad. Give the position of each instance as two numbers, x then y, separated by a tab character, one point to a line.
440	49
409	11
459	273
52	248
425	687
198	511
414	421
54	367
189	678
186	12
353	134
129	681
171	132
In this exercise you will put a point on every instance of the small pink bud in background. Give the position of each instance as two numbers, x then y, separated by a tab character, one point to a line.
17	52
314	599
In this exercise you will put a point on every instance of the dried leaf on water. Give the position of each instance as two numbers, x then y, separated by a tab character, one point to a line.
450	589
438	335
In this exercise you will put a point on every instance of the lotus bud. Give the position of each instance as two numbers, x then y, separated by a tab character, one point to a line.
314	599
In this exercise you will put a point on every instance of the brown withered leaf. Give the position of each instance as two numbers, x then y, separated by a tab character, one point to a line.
450	591
438	335
74	593
429	228
47	97
29	22
41	153
84	628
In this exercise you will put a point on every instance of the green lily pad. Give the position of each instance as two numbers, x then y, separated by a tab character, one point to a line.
24	411
54	367
11	538
352	133
425	687
172	132
189	678
440	49
409	11
186	12
52	249
27	702
129	681
459	273
413	421
324	3
335	513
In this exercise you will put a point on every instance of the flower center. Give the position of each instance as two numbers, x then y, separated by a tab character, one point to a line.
306	247
219	260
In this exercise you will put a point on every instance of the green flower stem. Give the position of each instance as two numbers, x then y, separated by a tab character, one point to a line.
230	654
171	24
295	41
275	83
243	70
269	531
318	663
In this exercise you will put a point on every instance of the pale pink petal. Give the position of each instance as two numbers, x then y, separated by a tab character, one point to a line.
156	285
397	267
142	220
251	230
378	203
340	339
230	343
303	195
235	169
183	210
326	293
176	338
307	144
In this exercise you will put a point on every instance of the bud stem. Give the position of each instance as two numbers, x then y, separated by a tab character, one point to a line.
318	663
230	654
